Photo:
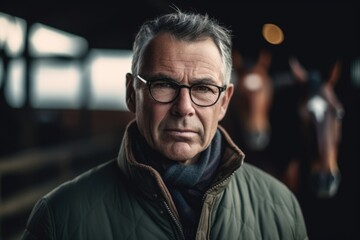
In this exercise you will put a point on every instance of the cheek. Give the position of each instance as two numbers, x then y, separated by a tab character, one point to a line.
219	114
209	121
144	113
150	117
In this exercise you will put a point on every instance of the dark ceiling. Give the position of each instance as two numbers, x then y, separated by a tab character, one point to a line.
310	29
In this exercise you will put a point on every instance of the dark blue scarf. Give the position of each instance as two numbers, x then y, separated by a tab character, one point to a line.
186	183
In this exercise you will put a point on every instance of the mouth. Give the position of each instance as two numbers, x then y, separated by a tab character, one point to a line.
181	133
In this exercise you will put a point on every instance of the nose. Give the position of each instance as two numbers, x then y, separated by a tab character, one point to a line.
183	105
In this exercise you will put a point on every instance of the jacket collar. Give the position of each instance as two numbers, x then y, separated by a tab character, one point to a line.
148	180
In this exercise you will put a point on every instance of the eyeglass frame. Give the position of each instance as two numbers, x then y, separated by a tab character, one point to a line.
148	83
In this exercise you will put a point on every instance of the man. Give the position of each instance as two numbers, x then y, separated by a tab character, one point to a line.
178	174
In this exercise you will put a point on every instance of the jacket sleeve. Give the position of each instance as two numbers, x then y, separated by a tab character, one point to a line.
39	224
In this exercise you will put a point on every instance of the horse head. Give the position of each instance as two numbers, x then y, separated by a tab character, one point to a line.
321	116
253	96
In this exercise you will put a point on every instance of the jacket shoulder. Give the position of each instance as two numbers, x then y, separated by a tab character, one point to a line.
77	202
91	184
264	186
264	199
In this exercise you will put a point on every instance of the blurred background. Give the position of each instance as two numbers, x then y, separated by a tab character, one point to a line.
62	89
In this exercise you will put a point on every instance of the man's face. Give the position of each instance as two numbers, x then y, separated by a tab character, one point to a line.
180	130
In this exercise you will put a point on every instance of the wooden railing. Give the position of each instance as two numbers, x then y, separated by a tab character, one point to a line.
63	162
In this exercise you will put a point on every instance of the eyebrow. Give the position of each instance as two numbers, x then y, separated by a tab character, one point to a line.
159	77
170	79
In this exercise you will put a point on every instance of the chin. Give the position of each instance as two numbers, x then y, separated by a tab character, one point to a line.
182	158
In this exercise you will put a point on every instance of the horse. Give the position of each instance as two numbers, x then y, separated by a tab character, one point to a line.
320	114
254	88
314	123
248	118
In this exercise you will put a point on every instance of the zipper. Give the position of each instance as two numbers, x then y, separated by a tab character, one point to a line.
216	186
179	233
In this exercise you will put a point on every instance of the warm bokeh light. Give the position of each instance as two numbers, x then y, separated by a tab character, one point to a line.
272	33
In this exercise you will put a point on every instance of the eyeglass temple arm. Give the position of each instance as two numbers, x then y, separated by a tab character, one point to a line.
143	80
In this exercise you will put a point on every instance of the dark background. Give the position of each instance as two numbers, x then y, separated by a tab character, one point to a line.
318	34
310	28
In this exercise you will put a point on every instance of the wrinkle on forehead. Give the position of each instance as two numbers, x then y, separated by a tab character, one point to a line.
183	59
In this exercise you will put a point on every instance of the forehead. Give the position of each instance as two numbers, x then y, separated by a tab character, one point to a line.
191	59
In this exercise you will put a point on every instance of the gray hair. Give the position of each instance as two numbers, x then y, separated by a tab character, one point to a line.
188	27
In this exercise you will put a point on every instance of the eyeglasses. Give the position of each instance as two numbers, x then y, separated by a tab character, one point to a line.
201	94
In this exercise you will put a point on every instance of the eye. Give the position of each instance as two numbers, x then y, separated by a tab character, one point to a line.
204	88
164	85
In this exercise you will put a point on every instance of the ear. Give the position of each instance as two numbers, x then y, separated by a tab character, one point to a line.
334	73
225	100
130	93
298	70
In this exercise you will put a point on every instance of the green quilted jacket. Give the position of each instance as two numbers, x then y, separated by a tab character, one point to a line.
122	199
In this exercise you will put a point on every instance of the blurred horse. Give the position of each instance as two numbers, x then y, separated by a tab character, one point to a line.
252	97
320	115
265	135
248	117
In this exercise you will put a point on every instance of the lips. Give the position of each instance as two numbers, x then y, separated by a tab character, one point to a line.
180	132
